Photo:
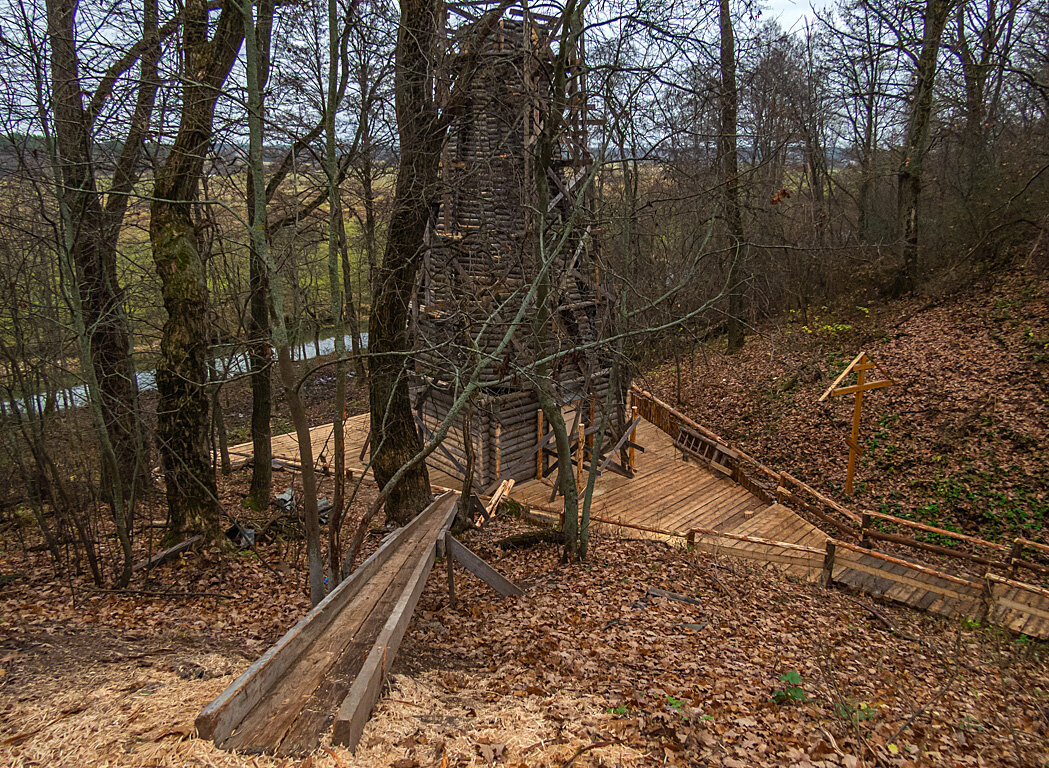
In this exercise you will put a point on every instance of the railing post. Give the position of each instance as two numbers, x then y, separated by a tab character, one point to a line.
782	492
691	539
1015	554
865	524
828	565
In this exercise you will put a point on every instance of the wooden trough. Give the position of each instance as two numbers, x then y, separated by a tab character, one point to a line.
328	668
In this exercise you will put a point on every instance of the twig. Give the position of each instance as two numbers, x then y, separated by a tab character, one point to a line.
936	697
583	750
826	667
884	620
714	580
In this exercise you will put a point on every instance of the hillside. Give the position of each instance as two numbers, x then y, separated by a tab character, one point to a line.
961	442
586	669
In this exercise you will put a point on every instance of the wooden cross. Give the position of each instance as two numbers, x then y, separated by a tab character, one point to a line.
861	364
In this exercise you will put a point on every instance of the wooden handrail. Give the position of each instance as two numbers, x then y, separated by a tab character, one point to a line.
1017	584
935	548
825	499
940	531
758	540
701	429
848	513
1033	544
907	564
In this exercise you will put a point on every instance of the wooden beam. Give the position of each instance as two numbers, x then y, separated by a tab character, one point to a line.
627	433
854	451
219	718
841	376
853	388
480	568
357	706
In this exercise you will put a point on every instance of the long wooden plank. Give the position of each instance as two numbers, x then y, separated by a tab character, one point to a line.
356	708
298	706
220	717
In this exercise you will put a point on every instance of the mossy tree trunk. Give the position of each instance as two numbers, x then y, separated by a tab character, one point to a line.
394	436
182	407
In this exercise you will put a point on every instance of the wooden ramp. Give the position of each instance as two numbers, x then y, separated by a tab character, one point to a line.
329	667
673	495
907	582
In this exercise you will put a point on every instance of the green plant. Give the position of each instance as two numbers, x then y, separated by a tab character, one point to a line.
855	711
791	692
620	710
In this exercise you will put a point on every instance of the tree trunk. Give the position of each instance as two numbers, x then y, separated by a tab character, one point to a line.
394	437
93	236
729	101
909	176
336	245
260	361
182	408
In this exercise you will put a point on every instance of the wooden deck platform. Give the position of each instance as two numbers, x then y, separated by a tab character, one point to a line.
672	494
285	450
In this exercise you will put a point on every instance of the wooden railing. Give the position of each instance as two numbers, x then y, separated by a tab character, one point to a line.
993	567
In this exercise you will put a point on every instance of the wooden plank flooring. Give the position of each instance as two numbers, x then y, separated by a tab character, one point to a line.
675	495
285	449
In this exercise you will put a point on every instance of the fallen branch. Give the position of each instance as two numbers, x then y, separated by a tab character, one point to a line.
884	620
583	750
656	592
168	553
151	593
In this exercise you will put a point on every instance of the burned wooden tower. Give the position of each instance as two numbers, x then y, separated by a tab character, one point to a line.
489	249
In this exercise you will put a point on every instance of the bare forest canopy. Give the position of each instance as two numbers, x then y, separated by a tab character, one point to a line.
187	182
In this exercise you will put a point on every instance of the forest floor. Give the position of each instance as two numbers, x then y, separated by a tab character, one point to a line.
585	669
962	441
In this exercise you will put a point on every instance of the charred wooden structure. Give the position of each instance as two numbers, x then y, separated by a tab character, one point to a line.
488	246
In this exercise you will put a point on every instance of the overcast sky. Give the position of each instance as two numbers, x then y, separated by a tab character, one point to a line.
792	13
